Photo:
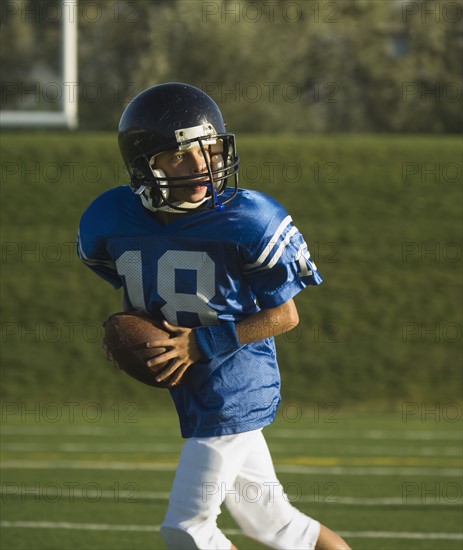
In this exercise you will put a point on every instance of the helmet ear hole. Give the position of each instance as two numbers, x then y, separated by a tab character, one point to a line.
157	173
217	164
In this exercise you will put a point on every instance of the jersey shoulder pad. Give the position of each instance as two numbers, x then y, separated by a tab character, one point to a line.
104	213
257	210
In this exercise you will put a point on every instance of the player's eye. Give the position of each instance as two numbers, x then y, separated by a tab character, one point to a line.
177	157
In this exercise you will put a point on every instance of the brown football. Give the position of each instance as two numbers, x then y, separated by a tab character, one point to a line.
126	334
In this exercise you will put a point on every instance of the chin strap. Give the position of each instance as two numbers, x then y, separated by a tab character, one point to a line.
186	205
147	202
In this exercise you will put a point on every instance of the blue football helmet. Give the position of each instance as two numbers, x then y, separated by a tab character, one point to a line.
170	117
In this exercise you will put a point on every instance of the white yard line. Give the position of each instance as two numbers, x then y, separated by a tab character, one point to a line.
425	435
121	448
155	529
27	429
271	433
93	448
86	465
369	470
170	467
400	535
52	492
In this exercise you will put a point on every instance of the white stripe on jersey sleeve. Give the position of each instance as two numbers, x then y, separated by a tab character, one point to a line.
279	251
88	261
267	250
304	260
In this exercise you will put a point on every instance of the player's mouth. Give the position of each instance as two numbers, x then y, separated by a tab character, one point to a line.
198	184
194	188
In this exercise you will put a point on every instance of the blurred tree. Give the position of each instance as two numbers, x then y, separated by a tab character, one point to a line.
112	40
29	55
350	65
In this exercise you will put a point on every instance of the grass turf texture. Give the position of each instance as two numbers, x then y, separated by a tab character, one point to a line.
373	477
381	215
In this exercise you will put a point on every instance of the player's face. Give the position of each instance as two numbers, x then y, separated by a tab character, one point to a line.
184	163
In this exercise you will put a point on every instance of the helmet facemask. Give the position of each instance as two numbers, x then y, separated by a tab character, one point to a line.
154	186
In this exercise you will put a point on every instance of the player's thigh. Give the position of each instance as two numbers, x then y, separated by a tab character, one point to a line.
262	509
206	470
257	496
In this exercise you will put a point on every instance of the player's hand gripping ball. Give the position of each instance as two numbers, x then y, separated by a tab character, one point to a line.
126	334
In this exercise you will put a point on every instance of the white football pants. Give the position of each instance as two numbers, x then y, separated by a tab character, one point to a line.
238	470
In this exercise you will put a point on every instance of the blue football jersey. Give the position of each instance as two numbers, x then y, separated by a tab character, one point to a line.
203	269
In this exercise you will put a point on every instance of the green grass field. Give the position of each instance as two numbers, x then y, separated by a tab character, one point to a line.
99	478
368	438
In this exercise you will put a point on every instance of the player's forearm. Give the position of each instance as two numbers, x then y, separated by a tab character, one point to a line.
267	323
224	338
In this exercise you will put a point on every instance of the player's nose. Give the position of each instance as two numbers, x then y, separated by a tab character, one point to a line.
198	162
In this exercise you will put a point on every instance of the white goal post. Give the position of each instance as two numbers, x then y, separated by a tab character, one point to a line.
67	116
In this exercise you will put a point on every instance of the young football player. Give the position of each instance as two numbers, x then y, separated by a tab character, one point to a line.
220	265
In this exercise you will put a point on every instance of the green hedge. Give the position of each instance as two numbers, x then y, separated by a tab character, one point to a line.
381	215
